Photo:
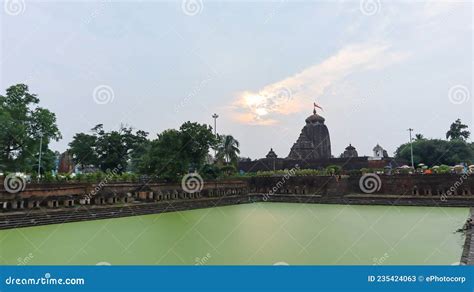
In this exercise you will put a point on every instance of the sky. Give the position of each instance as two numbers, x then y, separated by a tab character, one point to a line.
376	67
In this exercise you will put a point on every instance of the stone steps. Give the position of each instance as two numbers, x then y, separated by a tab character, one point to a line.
8	221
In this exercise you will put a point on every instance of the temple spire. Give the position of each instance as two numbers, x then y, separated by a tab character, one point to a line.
316	106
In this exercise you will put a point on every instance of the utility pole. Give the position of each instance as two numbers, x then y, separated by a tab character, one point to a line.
39	156
215	116
411	148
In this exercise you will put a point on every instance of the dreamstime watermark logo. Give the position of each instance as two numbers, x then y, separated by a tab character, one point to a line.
202	261
192	183
193	93
23	261
102	183
14	183
97	12
459	94
274	11
452	190
44	280
289	173
283	94
14	7
369	7
103	264
192	7
370	183
381	260
103	94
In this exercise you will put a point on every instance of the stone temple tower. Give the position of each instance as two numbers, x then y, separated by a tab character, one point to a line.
314	141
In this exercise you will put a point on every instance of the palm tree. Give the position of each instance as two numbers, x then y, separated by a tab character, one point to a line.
228	149
458	131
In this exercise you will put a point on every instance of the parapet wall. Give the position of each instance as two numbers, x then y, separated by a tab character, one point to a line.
350	163
433	190
41	204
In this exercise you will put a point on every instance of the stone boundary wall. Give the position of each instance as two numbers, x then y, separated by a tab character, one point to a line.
65	195
434	190
349	163
467	257
80	213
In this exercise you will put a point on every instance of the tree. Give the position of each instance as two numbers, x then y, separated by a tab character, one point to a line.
228	149
107	150
196	140
457	131
419	137
175	152
435	152
48	161
114	148
83	149
164	158
22	124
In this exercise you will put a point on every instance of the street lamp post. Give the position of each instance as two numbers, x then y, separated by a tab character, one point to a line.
411	148
215	116
39	156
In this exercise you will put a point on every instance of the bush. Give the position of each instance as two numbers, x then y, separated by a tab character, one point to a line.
210	171
333	169
48	177
355	172
79	177
443	169
228	169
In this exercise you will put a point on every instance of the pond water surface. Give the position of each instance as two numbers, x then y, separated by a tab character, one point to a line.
260	233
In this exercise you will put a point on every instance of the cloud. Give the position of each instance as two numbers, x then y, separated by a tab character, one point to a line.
296	93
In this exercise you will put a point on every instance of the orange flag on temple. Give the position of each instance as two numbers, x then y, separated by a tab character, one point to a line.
316	105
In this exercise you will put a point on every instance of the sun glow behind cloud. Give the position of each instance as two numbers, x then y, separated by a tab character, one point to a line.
296	93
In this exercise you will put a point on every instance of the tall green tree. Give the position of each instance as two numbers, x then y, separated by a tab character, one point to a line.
165	158
22	125
175	152
228	149
107	150
196	139
115	148
83	149
458	131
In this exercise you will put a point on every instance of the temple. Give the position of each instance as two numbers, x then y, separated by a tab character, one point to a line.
350	152
314	141
312	150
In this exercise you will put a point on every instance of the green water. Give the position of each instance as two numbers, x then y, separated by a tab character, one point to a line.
262	233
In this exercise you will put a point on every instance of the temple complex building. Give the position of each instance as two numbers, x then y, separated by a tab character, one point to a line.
314	141
66	164
312	150
271	154
350	152
379	153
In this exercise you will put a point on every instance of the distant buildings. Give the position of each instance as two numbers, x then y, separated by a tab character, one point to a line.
350	152
379	153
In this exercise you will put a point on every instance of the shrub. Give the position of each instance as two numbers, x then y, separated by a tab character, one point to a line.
333	169
444	169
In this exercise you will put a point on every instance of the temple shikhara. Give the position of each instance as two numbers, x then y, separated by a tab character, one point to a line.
312	150
314	141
